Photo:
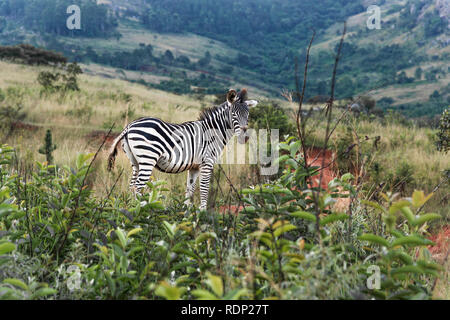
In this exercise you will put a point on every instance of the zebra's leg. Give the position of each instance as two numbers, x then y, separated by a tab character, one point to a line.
134	163
144	174
190	185
134	176
205	178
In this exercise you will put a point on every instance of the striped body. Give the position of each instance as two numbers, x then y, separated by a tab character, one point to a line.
173	148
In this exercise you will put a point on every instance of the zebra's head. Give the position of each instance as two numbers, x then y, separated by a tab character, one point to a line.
239	109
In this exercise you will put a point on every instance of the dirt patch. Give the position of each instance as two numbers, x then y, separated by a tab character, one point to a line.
442	244
315	158
231	209
24	126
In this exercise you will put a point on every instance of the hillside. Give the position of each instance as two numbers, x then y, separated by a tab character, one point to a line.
192	46
72	212
79	120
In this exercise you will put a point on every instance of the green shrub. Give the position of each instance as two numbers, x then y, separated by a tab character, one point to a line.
270	115
60	82
404	176
443	135
48	147
401	251
288	242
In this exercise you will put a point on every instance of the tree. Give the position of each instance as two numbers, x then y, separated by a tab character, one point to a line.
56	81
48	147
70	78
345	87
431	75
403	78
10	115
270	115
443	135
168	57
434	25
368	103
203	62
418	73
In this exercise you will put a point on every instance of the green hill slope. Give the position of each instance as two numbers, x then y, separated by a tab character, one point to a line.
207	46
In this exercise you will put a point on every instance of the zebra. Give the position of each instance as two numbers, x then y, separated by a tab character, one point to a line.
194	145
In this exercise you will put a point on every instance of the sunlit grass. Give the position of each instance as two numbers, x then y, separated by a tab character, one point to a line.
102	102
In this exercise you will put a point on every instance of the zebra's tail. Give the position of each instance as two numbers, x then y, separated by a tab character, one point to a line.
113	149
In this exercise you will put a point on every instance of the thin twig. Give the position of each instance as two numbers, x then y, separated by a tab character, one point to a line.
301	127
329	111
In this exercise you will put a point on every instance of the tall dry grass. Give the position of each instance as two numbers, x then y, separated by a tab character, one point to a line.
75	116
103	101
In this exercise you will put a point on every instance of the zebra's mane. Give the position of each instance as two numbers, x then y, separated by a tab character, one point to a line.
207	112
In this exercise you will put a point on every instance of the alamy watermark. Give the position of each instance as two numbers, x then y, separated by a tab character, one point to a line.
374	20
257	151
373	281
73	22
74	280
249	147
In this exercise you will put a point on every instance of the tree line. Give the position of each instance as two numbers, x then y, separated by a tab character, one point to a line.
49	16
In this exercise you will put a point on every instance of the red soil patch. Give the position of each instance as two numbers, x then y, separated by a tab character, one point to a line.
315	157
231	209
24	126
442	244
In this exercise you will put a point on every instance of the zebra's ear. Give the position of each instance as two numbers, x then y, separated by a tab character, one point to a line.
251	103
242	96
231	96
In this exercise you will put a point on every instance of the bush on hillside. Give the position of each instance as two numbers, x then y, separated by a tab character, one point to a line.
443	135
27	54
270	115
57	81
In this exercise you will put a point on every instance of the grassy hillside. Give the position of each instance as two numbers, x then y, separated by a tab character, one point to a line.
402	65
83	216
404	152
87	217
76	117
404	24
384	188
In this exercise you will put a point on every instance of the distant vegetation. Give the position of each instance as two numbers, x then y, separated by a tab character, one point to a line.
269	34
49	16
28	54
60	81
443	136
266	35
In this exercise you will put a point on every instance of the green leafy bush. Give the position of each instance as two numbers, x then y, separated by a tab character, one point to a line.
48	147
63	82
401	252
270	115
60	241
443	136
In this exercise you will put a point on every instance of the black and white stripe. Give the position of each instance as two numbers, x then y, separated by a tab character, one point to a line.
194	146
